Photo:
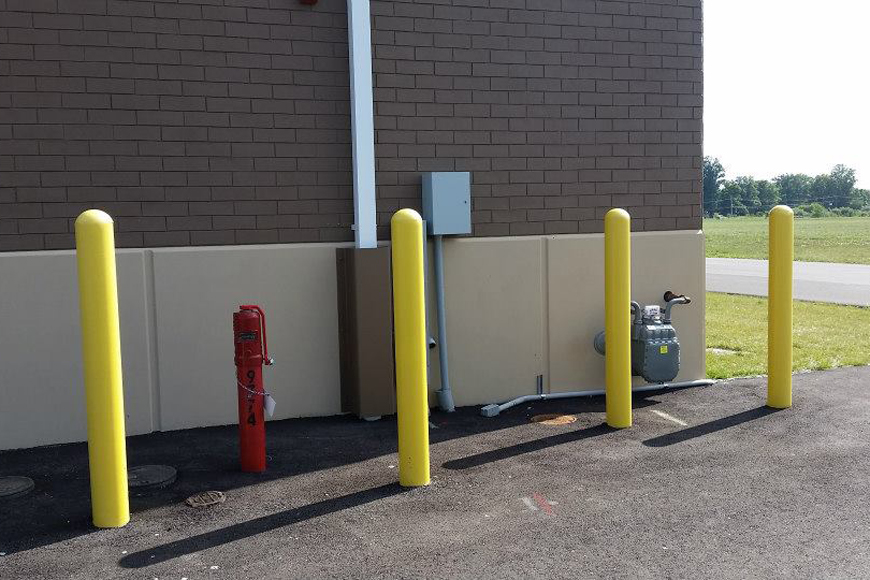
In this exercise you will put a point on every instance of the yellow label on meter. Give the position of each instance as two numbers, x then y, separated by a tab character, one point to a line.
663	349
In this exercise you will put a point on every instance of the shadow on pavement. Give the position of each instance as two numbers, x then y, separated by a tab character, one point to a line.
207	459
527	447
709	427
250	528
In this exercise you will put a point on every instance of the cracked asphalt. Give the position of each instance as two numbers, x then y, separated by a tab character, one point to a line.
708	483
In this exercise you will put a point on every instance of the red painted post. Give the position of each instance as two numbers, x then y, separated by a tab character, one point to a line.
252	352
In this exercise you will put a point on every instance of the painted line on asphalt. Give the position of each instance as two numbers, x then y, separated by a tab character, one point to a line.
529	504
664	415
545	505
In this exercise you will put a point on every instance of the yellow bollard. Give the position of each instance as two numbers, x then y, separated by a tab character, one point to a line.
617	317
101	353
779	306
412	392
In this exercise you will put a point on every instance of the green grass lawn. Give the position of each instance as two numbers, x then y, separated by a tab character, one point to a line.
833	239
825	336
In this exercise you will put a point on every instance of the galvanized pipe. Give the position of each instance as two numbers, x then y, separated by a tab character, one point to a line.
445	395
494	409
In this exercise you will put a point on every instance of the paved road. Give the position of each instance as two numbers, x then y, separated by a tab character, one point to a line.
708	483
816	281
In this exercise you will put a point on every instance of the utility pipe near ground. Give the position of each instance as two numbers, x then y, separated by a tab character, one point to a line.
494	409
445	395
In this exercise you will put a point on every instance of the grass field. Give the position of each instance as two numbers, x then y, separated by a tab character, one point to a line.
825	336
834	239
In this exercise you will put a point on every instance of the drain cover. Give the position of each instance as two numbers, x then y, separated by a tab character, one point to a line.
151	476
14	486
206	499
553	419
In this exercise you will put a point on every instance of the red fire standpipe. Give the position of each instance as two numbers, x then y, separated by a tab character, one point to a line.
252	351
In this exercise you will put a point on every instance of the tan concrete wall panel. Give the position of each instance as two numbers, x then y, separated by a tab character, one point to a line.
196	292
517	307
675	261
575	268
660	261
42	397
494	317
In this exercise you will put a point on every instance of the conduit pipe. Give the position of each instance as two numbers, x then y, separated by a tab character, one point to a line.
494	409
445	395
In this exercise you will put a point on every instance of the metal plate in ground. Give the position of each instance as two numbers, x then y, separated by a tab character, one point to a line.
15	486
554	419
205	499
144	477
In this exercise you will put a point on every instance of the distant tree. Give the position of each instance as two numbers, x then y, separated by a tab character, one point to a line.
746	195
842	185
714	174
834	189
749	194
768	193
794	188
731	199
822	190
860	199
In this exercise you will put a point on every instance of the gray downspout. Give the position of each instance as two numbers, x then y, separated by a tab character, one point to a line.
445	395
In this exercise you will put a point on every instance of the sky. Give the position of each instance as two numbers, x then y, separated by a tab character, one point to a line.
787	86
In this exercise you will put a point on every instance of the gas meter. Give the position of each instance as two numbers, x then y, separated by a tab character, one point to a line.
655	349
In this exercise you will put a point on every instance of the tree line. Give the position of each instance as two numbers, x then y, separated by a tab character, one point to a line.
825	194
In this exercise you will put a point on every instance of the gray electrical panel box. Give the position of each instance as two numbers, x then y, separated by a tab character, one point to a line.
447	202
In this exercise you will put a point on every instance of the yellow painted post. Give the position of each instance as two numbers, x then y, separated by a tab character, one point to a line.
101	353
779	306
617	317
412	392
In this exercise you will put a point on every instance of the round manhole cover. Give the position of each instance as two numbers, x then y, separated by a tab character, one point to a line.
151	476
553	419
14	486
206	499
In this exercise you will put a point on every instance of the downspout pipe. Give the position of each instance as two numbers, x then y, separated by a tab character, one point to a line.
494	409
362	123
445	395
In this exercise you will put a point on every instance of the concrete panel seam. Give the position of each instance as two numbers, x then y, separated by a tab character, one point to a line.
153	355
545	312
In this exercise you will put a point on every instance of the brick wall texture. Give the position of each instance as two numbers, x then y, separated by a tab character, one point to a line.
209	122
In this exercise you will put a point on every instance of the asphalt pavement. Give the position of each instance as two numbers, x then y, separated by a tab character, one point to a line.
708	483
813	281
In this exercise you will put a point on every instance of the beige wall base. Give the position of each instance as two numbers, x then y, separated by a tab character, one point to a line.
526	306
518	307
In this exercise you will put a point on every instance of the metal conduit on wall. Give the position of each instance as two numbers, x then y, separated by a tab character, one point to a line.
447	211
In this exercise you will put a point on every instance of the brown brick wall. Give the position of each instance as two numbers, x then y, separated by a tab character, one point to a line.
227	122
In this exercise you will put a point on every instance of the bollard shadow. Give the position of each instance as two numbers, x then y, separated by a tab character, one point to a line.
527	447
709	427
257	526
59	509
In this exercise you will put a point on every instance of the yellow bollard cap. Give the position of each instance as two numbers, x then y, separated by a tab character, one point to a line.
782	210
405	216
93	217
617	214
